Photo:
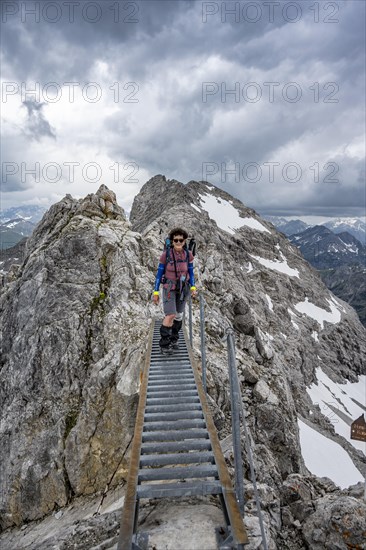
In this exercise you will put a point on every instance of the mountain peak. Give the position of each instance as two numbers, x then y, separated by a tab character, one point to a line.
181	202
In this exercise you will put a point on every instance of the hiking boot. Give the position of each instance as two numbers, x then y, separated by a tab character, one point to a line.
165	336
177	325
166	350
175	345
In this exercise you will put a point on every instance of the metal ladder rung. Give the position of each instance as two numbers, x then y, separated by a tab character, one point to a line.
176	357
172	371
169	490
172	393
175	435
171	366
182	365
178	472
174	408
171	447
169	383
176	425
171	376
177	458
174	385
178	415
171	400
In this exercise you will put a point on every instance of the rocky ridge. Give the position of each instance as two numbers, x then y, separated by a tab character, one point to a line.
77	315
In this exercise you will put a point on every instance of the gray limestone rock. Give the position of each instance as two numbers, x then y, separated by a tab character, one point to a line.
338	522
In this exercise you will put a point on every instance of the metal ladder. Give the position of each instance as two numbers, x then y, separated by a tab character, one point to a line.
175	440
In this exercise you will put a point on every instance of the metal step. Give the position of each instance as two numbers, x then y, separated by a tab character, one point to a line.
170	490
178	472
162	394
177	458
176	425
178	415
173	408
172	400
175	435
173	370
176	385
173	375
176	446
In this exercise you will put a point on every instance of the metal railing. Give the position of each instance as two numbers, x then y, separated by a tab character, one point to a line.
237	411
202	333
237	414
235	420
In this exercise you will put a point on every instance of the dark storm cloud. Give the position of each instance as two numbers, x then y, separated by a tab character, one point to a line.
317	49
66	49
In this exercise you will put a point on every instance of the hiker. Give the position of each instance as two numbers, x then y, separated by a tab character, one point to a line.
175	271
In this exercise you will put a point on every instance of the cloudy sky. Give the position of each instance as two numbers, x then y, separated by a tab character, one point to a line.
265	99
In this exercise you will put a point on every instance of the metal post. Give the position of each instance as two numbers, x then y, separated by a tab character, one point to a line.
190	320
231	353
235	420
203	339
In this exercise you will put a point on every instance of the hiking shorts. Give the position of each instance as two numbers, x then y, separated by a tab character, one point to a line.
172	302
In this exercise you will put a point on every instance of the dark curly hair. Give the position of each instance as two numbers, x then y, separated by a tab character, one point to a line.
178	231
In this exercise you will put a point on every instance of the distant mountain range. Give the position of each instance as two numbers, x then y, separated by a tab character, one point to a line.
31	213
18	222
325	249
340	260
288	227
354	226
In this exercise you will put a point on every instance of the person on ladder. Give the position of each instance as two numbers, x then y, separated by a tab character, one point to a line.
175	271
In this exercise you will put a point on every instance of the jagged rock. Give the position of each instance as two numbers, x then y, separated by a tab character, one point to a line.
248	343
251	374
263	344
68	379
338	522
263	393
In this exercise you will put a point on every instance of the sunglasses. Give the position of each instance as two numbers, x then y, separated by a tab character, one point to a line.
178	240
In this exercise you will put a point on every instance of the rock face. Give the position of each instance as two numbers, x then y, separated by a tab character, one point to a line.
71	358
76	319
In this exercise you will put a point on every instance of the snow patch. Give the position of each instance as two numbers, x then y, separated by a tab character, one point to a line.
314	334
227	216
318	313
196	207
292	314
329	396
326	458
278	265
270	304
339	306
350	247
